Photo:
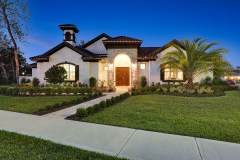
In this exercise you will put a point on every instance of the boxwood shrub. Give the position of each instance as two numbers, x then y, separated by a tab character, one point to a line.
102	105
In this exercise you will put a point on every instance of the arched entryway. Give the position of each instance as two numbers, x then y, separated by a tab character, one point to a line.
122	66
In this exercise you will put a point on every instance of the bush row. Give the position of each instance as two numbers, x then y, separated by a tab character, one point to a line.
84	112
200	91
23	90
57	106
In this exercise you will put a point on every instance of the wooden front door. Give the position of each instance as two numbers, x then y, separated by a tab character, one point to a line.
122	76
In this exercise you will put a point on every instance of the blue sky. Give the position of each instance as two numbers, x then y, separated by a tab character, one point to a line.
156	22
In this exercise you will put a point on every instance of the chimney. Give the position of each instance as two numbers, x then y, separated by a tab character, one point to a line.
69	31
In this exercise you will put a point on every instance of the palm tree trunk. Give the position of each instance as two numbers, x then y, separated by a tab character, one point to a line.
190	83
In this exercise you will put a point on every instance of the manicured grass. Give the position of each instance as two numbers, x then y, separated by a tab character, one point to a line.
211	117
16	146
31	104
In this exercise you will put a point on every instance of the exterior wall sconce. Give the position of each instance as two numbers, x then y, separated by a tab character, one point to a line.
110	66
134	66
105	68
142	66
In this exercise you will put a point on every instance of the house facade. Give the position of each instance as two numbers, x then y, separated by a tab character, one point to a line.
118	60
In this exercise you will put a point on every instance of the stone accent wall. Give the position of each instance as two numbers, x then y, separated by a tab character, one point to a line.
132	53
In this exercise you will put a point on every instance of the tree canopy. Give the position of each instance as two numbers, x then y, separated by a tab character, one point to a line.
196	57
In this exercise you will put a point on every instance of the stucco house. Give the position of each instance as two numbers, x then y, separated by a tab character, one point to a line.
120	60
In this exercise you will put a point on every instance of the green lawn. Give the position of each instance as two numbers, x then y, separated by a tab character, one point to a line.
31	104
213	118
16	146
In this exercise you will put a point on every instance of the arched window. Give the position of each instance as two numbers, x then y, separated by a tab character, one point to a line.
67	36
71	71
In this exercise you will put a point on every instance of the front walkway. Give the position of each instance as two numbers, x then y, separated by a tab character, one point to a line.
72	110
118	141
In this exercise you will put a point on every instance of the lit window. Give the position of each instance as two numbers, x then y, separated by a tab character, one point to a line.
142	66
70	71
173	74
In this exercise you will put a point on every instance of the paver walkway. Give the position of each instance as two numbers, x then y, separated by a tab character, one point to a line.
72	110
118	141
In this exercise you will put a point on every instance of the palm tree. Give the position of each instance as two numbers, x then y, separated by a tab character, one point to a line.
194	58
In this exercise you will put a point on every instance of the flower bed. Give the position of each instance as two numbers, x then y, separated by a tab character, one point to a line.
180	90
84	112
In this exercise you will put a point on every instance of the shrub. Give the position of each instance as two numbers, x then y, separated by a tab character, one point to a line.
108	102
81	113
102	104
172	89
92	82
96	107
60	90
113	99
35	82
208	80
23	80
165	89
190	91
47	91
118	99
209	90
55	74
28	80
200	90
68	90
143	81
90	110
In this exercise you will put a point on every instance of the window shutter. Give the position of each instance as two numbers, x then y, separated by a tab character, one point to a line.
76	72
162	75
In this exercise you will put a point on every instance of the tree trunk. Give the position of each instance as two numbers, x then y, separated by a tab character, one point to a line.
13	69
13	41
17	65
190	83
4	72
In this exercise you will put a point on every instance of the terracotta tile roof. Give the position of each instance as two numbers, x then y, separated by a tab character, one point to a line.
96	39
121	39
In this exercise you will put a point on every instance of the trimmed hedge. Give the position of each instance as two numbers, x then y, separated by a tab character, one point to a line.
29	91
100	106
64	104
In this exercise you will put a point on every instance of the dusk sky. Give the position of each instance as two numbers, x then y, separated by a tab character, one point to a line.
155	22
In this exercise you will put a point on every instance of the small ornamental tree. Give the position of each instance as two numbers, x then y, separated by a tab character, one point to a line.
92	82
56	74
143	81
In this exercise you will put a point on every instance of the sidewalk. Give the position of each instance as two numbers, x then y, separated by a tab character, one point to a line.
72	110
118	141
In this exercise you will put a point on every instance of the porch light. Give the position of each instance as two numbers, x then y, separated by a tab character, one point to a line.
110	66
134	65
142	66
105	68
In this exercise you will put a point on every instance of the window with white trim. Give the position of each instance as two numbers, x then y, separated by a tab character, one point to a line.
173	74
70	68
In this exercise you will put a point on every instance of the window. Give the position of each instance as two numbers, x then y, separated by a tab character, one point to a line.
67	36
70	68
173	74
142	66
